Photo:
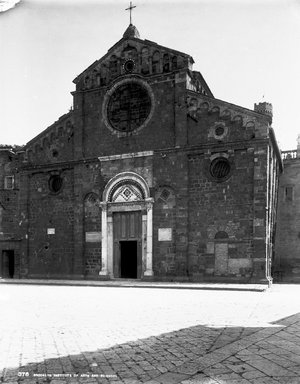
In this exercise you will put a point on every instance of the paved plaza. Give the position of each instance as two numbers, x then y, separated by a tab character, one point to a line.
75	334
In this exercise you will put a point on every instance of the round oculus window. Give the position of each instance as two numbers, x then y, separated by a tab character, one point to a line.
128	107
55	183
129	66
220	169
219	131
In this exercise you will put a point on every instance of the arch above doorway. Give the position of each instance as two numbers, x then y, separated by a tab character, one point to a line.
123	179
125	193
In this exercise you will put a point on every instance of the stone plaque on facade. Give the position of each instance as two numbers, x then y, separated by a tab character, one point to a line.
93	237
50	231
210	247
164	234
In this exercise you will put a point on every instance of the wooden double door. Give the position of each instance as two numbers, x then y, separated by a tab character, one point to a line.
127	238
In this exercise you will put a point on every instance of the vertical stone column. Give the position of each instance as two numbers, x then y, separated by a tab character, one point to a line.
149	250
104	269
110	245
144	243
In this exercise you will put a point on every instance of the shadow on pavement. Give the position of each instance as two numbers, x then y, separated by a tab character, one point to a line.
198	354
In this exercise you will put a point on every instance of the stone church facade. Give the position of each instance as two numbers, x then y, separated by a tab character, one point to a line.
149	176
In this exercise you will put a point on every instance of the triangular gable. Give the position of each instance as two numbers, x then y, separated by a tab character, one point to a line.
135	42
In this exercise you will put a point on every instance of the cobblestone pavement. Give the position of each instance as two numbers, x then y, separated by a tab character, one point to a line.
60	335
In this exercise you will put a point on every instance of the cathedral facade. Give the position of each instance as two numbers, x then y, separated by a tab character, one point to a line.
149	176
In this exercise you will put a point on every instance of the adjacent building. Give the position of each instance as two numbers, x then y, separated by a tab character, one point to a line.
287	251
9	215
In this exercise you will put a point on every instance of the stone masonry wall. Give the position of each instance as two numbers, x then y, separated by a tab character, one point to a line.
50	226
287	246
92	232
88	187
54	145
10	245
170	211
9	218
8	195
97	140
221	213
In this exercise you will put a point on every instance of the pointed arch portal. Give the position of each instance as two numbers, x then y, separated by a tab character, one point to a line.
127	227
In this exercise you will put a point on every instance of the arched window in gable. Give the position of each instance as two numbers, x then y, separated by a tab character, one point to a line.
52	137
103	75
129	53
145	61
114	66
166	63
156	62
180	62
88	82
174	63
94	78
45	143
29	155
98	79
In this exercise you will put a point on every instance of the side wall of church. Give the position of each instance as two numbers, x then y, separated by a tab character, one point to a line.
54	145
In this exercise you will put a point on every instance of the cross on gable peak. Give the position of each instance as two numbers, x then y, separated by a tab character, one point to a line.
130	8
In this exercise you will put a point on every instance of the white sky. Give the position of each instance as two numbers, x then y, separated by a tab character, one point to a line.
245	49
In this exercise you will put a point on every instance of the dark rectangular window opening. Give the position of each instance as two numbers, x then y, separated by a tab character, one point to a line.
128	251
289	193
8	264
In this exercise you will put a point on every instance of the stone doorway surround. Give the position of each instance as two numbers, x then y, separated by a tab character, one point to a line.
108	206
